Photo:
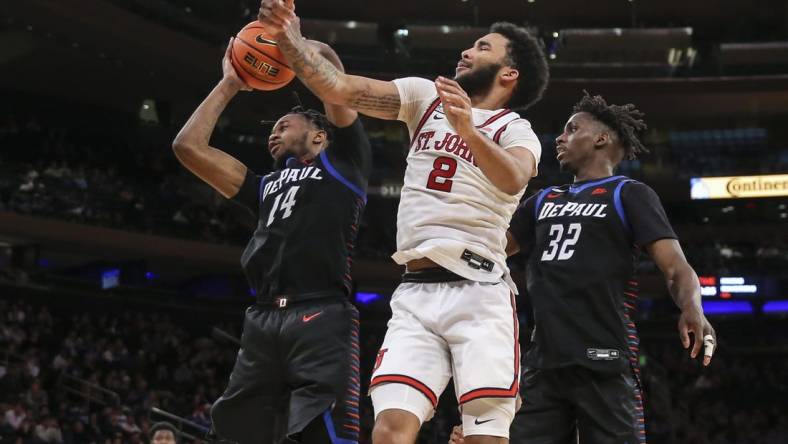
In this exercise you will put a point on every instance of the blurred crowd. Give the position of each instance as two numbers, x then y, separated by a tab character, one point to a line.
75	377
72	373
101	179
133	182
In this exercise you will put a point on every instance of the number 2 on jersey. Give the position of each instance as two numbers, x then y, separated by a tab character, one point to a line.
286	207
560	245
443	168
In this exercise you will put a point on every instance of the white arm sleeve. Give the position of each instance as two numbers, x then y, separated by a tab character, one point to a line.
519	134
415	95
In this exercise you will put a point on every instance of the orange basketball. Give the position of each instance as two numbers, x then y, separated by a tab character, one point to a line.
257	59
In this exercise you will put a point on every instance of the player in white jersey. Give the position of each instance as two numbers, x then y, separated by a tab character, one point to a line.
469	162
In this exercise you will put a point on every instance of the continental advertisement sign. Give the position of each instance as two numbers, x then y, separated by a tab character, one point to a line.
739	187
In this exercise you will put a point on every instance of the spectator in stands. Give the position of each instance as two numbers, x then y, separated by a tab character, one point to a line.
163	433
16	416
35	398
48	431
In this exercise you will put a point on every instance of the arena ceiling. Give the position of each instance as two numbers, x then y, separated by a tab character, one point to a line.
102	51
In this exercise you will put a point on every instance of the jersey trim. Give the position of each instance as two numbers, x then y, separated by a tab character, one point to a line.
576	189
497	136
619	205
491	392
539	200
494	118
407	380
331	170
431	109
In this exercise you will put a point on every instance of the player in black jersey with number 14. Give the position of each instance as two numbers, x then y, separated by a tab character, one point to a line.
581	378
299	356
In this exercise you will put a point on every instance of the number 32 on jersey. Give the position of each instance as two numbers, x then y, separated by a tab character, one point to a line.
562	242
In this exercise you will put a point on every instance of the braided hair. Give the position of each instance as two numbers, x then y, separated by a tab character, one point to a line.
317	120
625	120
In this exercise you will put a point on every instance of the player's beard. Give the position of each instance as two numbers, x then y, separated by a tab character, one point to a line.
566	167
477	82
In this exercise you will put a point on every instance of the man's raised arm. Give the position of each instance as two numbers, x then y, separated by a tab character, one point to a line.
375	98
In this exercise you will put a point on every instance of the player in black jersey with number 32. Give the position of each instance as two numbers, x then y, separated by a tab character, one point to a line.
299	350
581	378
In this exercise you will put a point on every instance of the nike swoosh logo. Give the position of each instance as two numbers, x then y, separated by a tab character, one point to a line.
437	117
477	422
308	318
264	41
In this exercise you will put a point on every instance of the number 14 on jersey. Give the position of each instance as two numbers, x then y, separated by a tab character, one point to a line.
286	206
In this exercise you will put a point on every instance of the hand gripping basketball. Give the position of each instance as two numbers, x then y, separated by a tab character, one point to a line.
257	59
276	15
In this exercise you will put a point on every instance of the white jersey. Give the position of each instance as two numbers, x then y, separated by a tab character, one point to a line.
449	211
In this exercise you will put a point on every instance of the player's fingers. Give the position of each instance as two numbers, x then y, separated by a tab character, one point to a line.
446	99
684	335
458	94
456	435
458	110
448	81
697	341
265	14
271	21
282	11
290	4
450	98
453	86
709	345
279	17
276	13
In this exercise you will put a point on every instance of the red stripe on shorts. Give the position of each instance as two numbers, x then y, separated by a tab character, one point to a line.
491	392
407	380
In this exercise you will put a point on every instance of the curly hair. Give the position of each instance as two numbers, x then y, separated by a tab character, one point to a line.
524	53
625	120
317	120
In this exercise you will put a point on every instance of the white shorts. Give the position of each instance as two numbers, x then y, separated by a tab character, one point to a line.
464	330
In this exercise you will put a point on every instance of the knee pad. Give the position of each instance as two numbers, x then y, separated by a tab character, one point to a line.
488	416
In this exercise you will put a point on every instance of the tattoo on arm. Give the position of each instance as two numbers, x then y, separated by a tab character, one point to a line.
328	83
365	100
312	68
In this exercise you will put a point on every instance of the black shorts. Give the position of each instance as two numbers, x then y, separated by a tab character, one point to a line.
295	366
559	404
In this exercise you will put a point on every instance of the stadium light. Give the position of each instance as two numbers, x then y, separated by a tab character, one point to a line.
775	307
727	307
110	278
367	298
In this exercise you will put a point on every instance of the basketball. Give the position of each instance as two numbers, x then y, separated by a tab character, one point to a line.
257	59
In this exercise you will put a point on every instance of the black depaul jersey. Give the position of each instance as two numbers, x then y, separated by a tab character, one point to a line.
309	215
582	242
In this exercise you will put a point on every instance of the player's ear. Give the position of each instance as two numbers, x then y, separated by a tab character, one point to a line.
509	74
319	137
602	139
